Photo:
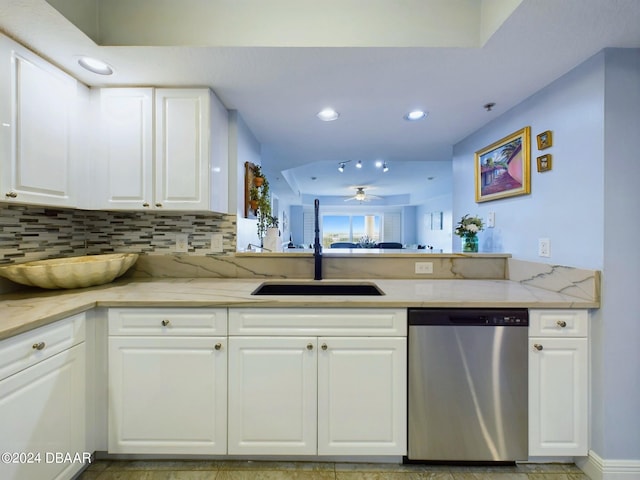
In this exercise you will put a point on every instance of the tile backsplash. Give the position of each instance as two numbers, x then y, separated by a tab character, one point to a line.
35	233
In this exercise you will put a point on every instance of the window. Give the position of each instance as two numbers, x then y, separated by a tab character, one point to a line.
349	228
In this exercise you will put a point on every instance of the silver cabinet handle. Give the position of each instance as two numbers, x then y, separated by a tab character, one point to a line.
537	346
165	323
158	205
310	346
218	346
324	346
11	195
561	323
145	204
39	346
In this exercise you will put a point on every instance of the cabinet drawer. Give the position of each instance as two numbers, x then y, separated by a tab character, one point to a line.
168	321
26	349
361	322
558	323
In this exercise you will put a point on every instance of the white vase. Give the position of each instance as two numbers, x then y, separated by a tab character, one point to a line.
271	240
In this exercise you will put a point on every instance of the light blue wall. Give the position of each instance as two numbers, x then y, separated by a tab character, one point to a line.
588	206
409	225
243	147
440	240
566	203
297	224
617	333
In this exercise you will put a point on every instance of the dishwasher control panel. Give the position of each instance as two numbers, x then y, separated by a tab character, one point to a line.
512	317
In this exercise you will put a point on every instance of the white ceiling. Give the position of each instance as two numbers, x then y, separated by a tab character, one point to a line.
278	89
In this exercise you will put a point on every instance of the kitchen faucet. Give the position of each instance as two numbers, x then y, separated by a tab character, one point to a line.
317	247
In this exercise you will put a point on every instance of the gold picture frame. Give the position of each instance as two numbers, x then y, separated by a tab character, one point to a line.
545	140
544	162
502	169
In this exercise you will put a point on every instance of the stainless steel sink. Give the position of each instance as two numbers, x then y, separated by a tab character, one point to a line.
318	288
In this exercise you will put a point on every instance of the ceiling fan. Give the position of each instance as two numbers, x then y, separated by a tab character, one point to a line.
361	196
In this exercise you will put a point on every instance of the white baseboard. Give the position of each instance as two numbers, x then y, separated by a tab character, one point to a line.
598	468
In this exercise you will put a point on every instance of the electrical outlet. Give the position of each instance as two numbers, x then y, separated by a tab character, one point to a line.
424	267
216	243
182	242
544	247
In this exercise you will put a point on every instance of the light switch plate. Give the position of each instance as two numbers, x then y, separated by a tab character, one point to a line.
182	242
544	247
216	243
491	220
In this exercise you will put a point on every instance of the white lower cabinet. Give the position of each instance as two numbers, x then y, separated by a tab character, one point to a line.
361	396
272	395
324	395
167	381
42	402
558	383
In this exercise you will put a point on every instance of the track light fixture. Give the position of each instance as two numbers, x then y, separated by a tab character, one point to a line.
379	164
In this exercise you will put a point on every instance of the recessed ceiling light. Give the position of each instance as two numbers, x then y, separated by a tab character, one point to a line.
415	115
95	66
379	163
385	168
359	164
341	167
328	115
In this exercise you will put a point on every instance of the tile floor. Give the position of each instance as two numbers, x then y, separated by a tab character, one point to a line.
244	470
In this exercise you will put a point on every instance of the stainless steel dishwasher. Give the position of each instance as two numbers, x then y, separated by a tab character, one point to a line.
467	384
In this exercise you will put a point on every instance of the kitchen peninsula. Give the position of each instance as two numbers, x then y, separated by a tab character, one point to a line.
114	345
473	280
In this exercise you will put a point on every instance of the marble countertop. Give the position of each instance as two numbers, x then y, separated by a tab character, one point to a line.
21	312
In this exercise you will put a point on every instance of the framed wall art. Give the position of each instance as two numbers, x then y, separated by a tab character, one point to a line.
544	163
545	140
502	169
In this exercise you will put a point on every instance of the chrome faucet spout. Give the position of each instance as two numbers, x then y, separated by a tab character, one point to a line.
317	246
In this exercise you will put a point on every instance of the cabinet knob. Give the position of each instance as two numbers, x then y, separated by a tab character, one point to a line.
324	346
158	205
145	204
39	346
165	323
218	346
310	346
537	346
561	323
11	194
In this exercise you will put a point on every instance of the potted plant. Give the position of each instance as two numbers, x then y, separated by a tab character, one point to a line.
254	198
258	176
271	239
264	208
467	229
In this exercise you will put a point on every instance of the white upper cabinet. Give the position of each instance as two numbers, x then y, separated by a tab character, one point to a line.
124	176
162	149
38	121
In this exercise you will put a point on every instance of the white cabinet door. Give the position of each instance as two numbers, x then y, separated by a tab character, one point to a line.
38	110
558	396
182	149
272	395
164	148
362	396
124	174
42	411
167	395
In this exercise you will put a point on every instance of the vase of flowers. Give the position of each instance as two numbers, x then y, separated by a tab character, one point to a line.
467	229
